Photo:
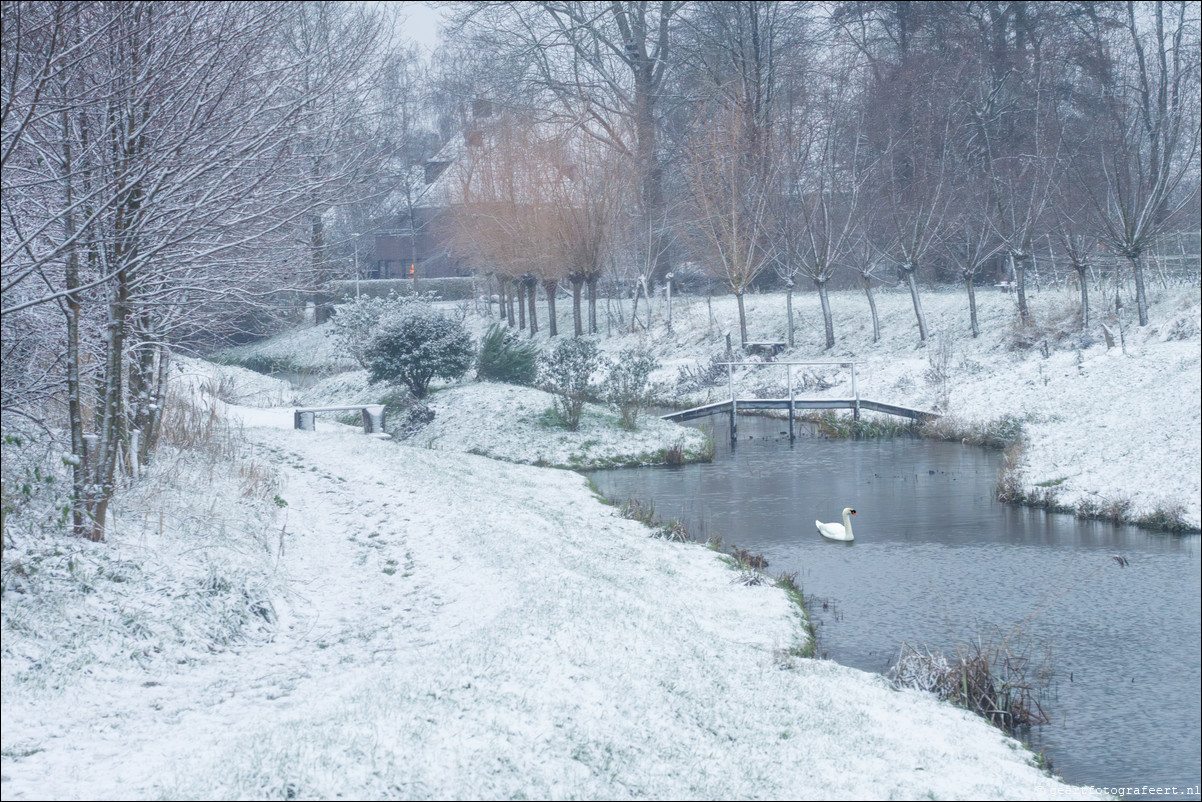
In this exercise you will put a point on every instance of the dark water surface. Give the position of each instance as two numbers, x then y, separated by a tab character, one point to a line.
937	563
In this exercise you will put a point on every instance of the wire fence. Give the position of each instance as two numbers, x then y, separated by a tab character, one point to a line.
1174	259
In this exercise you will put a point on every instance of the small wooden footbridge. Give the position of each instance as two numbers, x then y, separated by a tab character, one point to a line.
733	406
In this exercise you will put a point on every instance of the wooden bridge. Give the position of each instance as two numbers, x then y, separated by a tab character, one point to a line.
733	405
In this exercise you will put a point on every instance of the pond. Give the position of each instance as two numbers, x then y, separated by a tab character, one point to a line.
937	563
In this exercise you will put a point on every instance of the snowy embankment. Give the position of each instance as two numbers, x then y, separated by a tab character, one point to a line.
450	626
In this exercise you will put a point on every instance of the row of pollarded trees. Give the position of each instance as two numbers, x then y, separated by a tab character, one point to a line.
536	207
867	135
167	167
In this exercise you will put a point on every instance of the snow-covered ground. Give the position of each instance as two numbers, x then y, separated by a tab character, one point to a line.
320	614
453	626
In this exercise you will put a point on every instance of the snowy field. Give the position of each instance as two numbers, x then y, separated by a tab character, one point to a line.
323	614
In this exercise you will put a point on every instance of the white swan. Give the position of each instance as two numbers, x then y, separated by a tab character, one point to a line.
838	531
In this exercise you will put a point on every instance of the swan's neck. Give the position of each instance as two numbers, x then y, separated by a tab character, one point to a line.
847	522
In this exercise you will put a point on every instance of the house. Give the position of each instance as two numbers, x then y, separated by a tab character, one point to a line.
420	246
496	160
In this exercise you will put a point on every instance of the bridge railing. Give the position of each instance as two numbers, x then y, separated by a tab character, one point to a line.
788	366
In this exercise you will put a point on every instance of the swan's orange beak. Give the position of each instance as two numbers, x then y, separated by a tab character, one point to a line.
853	512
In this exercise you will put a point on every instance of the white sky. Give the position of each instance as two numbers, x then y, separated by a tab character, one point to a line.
419	24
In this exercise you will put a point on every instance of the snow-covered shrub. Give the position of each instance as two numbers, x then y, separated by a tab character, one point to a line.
628	385
568	373
355	321
505	357
416	344
939	375
1047	327
410	419
36	486
711	374
1183	327
770	389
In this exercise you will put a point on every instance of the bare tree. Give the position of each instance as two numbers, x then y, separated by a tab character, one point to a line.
970	242
143	182
830	200
509	212
602	66
730	204
909	125
587	194
1149	150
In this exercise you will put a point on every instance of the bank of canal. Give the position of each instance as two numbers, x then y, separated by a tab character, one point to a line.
937	563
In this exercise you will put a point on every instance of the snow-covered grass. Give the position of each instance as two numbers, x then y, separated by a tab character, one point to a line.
318	614
185	574
524	427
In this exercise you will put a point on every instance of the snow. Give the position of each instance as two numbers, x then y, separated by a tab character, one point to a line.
336	615
455	626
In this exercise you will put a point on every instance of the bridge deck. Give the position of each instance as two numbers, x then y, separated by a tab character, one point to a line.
799	403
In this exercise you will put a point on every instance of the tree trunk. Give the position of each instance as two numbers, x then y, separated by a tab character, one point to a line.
109	415
1141	296
912	281
1084	296
154	427
742	319
577	280
592	303
520	286
972	305
550	286
876	321
1018	266
827	322
789	312
531	293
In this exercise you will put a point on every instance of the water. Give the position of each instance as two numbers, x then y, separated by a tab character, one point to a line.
937	563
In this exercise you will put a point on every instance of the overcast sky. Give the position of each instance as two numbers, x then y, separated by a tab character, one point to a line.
420	24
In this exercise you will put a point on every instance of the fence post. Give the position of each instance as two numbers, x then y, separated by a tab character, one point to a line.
730	373
855	393
792	408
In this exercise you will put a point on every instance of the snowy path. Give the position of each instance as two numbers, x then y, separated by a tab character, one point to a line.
463	628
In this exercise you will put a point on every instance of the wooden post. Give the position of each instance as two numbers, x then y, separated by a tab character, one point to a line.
792	407
730	372
855	393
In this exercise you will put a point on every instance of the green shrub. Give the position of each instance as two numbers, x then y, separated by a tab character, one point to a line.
505	357
354	322
568	373
416	345
628	386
